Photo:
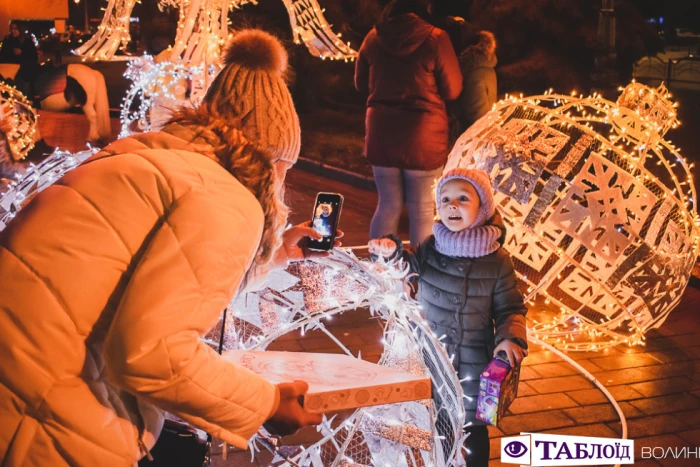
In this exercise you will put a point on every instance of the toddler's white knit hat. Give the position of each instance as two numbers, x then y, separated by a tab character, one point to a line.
481	181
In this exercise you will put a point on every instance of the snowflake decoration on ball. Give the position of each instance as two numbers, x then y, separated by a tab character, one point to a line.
601	210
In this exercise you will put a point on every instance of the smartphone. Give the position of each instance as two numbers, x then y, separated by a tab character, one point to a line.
324	220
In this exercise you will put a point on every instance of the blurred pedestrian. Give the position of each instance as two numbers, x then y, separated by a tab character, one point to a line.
408	69
18	46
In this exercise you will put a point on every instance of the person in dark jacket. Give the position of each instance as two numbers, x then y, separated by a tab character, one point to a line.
467	287
408	69
18	47
479	86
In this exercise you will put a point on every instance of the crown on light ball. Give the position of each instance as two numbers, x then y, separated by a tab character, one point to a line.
19	121
653	106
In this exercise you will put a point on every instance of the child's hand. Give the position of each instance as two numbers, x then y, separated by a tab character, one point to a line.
382	247
515	353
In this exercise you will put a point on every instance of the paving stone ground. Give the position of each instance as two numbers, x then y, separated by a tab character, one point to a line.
657	386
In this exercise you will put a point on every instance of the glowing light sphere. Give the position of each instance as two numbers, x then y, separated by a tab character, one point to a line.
18	120
159	88
307	296
601	210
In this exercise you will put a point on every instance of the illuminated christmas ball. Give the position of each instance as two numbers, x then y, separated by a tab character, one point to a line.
157	90
303	301
601	210
18	121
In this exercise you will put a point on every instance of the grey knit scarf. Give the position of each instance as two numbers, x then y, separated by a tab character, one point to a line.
468	243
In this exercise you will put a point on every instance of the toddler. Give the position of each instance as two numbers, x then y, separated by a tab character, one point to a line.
467	287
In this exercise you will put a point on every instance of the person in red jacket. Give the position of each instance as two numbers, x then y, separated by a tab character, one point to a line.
408	69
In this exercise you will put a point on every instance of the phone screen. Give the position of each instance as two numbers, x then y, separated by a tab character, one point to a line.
325	217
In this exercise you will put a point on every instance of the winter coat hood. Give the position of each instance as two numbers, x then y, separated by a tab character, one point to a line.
482	54
403	34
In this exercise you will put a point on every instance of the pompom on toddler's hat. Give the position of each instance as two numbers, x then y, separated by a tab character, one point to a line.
252	87
481	181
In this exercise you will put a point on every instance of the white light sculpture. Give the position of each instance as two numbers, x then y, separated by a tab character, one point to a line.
19	121
203	28
307	296
18	193
601	210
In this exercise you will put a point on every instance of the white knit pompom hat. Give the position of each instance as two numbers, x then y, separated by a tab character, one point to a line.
481	182
252	87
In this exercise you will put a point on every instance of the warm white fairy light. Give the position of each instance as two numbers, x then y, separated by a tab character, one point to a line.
159	87
19	121
601	210
303	298
37	178
112	33
203	27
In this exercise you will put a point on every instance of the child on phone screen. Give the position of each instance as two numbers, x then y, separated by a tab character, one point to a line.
467	287
322	219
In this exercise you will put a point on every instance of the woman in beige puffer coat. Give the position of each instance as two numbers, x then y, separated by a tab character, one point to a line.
110	276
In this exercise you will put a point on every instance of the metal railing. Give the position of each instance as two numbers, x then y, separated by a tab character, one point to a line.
676	72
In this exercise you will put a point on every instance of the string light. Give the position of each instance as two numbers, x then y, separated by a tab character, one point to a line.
302	298
19	121
160	87
203	28
36	179
601	210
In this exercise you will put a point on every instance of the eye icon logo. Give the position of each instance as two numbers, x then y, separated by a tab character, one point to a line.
515	449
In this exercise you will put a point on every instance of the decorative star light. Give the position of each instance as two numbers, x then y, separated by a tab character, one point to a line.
601	210
308	295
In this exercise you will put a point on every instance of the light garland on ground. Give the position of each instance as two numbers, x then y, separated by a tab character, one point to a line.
310	294
601	210
203	29
19	121
37	178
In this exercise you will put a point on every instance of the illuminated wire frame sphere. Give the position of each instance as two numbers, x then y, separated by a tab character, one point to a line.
18	120
307	296
601	210
157	90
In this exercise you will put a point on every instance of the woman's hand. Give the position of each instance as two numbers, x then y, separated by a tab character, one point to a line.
295	243
290	414
384	247
515	353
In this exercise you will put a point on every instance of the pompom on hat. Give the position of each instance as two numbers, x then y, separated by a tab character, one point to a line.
252	87
481	181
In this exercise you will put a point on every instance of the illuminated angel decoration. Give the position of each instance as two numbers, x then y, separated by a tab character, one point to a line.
601	210
203	29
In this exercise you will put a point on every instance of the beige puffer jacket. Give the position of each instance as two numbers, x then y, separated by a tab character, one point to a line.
107	281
